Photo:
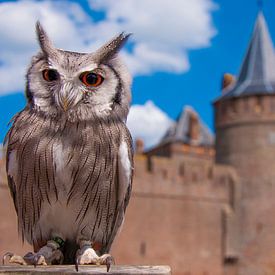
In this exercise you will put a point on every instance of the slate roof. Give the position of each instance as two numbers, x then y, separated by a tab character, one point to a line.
257	73
179	131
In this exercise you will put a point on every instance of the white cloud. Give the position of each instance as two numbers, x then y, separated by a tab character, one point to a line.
164	31
148	122
162	23
17	35
146	60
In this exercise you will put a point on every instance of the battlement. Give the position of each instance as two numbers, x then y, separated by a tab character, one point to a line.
180	149
252	109
186	177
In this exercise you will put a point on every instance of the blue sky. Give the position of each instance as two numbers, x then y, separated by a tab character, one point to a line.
214	37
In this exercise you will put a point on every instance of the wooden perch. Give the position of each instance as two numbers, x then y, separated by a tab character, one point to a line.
88	269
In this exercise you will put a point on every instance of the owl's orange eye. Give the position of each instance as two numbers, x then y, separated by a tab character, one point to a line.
91	79
50	75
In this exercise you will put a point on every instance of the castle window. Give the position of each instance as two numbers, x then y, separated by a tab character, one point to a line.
164	173
210	173
181	170
149	165
143	249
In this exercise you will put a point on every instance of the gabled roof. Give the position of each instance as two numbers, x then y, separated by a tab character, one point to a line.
257	74
180	130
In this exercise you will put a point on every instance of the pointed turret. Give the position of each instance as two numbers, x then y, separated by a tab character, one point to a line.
245	127
189	129
257	74
187	135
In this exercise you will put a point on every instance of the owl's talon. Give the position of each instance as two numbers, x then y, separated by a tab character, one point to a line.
34	259
5	256
29	259
76	264
108	260
40	258
108	264
13	259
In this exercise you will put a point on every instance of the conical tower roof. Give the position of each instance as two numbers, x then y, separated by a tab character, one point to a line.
257	74
180	130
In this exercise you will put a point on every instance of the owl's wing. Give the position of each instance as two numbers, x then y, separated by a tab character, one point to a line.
9	170
27	161
11	143
11	183
12	187
124	176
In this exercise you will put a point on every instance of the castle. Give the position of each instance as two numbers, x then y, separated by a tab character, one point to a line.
201	205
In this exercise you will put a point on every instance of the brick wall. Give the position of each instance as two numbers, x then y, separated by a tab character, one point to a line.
175	216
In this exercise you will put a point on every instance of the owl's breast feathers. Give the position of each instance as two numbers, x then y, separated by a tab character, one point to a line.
85	166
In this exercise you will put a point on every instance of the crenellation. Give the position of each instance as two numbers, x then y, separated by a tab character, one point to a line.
197	178
177	169
254	109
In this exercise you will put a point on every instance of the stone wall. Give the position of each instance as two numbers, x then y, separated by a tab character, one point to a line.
246	140
180	214
186	224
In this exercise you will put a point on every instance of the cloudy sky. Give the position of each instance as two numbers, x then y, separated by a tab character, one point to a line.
177	54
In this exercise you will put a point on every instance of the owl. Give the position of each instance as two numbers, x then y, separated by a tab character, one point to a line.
69	154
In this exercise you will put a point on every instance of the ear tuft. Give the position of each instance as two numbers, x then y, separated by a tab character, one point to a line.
43	39
111	48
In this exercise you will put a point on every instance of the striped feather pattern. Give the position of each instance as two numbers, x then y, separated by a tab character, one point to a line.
91	163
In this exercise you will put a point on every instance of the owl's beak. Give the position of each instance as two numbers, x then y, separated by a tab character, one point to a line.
67	97
65	104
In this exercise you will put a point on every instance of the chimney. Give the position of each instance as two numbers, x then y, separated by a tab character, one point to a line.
227	80
194	130
139	146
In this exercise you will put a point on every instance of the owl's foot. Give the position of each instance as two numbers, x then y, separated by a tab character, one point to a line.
42	258
108	260
34	259
13	259
87	255
48	254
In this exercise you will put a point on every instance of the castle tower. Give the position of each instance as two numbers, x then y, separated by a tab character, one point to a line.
187	135
245	139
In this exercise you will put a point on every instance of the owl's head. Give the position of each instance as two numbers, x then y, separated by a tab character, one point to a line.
79	85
